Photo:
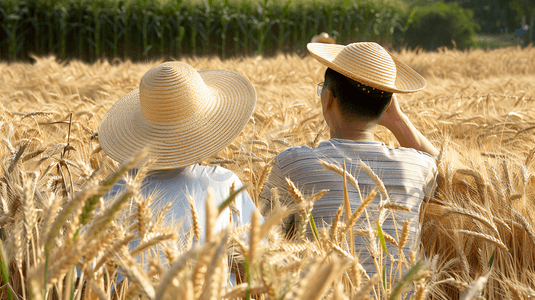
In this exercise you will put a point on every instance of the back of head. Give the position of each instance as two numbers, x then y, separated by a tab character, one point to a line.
356	99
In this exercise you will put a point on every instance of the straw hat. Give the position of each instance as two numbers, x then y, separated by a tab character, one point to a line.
370	64
323	38
182	115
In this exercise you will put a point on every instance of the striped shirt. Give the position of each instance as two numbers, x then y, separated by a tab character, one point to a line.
407	174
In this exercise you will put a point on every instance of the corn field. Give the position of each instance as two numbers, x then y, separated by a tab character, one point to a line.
142	29
478	232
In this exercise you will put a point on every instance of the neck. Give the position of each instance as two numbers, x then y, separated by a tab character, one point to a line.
356	130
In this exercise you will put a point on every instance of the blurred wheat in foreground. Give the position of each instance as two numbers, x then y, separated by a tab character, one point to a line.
478	232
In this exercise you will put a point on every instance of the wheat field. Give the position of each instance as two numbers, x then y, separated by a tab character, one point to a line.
478	231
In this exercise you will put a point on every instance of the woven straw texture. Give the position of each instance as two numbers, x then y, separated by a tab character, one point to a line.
323	38
370	64
182	115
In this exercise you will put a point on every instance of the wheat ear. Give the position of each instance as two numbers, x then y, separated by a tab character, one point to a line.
421	292
335	224
404	234
213	274
403	241
294	191
396	206
177	266
143	217
318	195
315	283
274	218
254	239
375	178
348	210
262	180
139	277
364	290
211	214
110	252
472	215
356	214
196	227
340	171
240	290
155	240
475	288
486	237
356	273
199	273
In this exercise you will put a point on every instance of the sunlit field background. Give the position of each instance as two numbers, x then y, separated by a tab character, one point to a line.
478	232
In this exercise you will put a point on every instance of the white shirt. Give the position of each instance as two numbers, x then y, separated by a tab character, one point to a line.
172	186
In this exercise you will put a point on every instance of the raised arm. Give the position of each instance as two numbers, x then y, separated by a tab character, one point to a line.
406	134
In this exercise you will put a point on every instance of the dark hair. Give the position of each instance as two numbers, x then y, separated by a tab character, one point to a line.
355	98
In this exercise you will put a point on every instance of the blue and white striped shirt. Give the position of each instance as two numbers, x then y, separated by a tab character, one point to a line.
407	174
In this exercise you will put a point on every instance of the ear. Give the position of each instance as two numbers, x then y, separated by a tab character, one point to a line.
392	100
329	103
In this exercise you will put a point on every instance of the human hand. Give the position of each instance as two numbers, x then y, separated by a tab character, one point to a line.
406	134
393	115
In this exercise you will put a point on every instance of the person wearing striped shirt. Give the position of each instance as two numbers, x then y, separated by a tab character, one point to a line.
357	95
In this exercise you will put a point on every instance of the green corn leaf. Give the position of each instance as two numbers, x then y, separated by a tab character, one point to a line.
417	272
381	237
492	258
229	200
4	271
314	229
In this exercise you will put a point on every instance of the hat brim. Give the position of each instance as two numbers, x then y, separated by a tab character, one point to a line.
407	80
123	131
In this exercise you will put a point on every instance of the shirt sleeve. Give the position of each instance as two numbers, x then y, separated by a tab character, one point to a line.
431	179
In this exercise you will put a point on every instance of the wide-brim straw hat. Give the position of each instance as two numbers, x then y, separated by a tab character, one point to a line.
182	115
369	64
323	38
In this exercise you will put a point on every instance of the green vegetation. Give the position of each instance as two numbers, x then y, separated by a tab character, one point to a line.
143	29
139	29
488	41
439	24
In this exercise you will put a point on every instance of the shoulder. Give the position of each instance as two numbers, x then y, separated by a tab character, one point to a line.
215	173
418	159
414	152
296	153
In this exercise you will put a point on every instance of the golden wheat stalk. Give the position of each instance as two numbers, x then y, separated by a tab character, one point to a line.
255	237
135	273
211	215
240	290
274	218
485	237
179	264
340	171
153	241
335	224
195	226
375	178
363	291
111	250
395	206
356	214
294	191
214	274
